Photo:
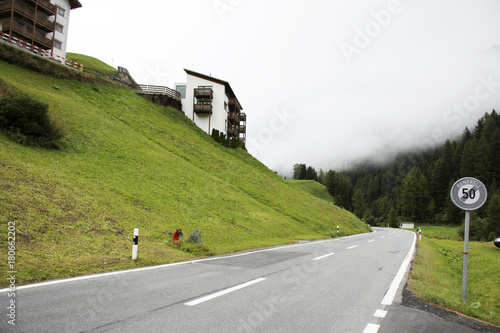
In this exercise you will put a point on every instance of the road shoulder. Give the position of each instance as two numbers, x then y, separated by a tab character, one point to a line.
411	314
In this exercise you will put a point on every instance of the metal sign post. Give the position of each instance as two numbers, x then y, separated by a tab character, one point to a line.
468	194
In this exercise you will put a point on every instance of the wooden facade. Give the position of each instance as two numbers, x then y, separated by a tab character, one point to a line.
31	20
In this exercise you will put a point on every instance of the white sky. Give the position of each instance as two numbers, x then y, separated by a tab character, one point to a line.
322	82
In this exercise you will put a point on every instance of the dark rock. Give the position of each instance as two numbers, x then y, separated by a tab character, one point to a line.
195	237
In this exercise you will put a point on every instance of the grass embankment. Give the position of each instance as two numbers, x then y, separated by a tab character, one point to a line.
89	62
312	187
436	275
126	163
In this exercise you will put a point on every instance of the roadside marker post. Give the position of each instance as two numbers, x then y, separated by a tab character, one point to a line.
135	244
468	194
337	229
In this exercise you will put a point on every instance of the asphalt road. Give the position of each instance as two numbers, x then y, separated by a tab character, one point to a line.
338	285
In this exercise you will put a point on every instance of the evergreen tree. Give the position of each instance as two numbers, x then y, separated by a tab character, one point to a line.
311	173
409	195
321	175
393	220
493	228
358	203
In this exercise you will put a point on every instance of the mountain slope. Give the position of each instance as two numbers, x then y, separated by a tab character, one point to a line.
127	163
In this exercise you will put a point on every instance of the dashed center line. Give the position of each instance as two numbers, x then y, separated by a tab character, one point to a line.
371	328
352	247
380	313
223	292
371	240
382	236
326	255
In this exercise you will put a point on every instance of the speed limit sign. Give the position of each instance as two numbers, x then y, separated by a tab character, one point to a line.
469	193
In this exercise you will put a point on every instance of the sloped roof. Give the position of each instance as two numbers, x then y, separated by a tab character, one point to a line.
229	90
75	4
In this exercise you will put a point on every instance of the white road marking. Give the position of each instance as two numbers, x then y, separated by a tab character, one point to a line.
380	313
326	255
371	240
382	236
352	247
371	328
223	292
95	276
391	293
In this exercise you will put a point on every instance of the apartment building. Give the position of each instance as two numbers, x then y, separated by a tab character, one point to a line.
212	104
41	23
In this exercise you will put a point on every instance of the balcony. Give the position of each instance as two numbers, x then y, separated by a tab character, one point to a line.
27	34
233	130
44	24
205	93
45	6
234	105
23	11
243	116
200	108
233	116
243	129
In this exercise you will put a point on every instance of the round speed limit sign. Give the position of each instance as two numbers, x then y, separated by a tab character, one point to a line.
469	193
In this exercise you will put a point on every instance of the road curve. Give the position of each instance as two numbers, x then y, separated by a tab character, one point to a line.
336	285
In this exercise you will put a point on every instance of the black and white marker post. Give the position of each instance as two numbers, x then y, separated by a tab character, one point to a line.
468	194
135	242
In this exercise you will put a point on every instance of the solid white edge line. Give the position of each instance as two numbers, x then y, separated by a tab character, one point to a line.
391	293
371	328
322	257
223	292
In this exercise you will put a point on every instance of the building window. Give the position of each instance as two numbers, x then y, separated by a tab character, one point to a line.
59	28
182	90
61	11
58	44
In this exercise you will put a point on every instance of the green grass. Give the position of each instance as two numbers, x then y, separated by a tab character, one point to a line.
310	186
89	62
440	232
437	271
126	163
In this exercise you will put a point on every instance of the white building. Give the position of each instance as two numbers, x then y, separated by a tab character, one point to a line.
60	35
41	23
212	104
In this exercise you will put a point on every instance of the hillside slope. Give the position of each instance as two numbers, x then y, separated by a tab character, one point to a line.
313	187
127	163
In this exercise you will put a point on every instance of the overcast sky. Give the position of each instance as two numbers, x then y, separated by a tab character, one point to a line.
322	82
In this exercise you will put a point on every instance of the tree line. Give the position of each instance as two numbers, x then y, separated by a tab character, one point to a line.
415	186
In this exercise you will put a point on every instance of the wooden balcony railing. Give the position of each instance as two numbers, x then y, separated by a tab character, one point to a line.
42	22
46	7
233	116
233	130
203	108
204	93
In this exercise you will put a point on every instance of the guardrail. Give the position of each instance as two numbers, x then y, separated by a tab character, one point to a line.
41	52
146	88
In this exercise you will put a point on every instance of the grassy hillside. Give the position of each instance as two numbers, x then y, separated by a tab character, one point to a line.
89	62
126	163
312	187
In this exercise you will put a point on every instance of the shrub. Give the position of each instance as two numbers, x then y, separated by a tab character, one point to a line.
26	120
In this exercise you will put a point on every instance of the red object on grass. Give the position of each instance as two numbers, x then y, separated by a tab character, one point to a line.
177	233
